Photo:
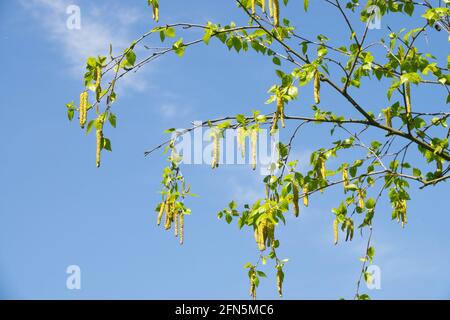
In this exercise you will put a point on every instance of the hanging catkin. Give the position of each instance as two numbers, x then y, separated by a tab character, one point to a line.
181	227
83	108
280	276
160	213
271	8
253	6
276	13
280	108
274	127
360	194
295	199
98	79
388	117
254	143
175	221
168	221
263	5
99	140
408	98
216	149
305	195
317	87
335	231
155	10
241	140
345	179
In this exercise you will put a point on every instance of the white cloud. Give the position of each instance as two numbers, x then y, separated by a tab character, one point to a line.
100	26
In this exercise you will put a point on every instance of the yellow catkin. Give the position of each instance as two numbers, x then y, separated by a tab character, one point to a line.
317	87
270	231
345	179
295	199
241	140
408	98
168	221
160	213
253	6
98	79
274	127
401	208
271	8
263	5
323	171
175	221
305	195
388	117
260	236
276	13
216	149
280	281
335	231
99	138
155	9
181	225
280	108
254	144
83	108
360	193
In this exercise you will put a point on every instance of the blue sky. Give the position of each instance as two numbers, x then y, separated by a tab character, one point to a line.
57	209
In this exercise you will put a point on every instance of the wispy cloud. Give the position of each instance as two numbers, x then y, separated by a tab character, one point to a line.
100	26
171	111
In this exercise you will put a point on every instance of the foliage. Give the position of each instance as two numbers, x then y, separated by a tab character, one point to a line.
412	144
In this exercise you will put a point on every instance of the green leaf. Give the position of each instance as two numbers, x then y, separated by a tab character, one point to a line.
112	119
106	144
131	57
170	32
370	203
276	61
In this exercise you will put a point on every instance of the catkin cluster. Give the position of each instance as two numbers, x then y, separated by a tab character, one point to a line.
264	234
171	215
400	207
317	87
83	108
